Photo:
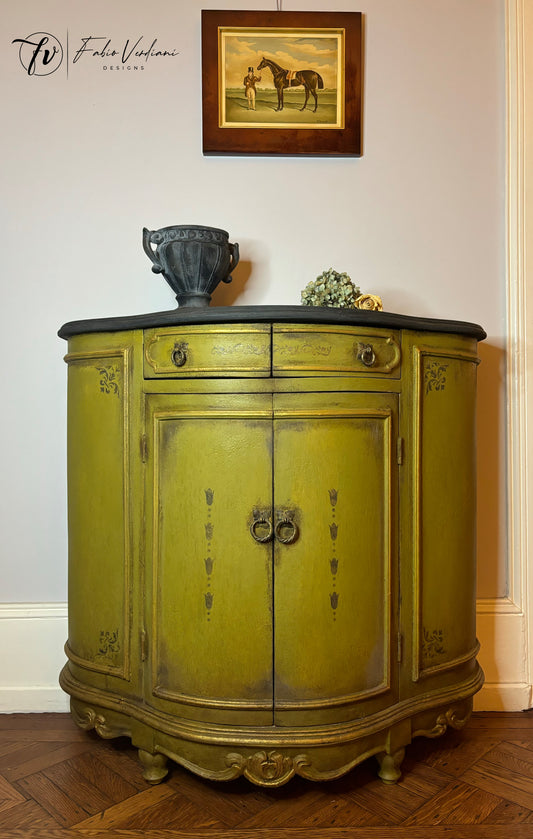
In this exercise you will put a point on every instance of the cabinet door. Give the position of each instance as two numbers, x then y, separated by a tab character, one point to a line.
444	502
103	505
335	556
208	580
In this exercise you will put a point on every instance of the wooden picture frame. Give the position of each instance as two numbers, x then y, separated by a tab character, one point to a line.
311	108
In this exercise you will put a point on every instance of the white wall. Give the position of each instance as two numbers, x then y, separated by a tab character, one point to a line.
89	159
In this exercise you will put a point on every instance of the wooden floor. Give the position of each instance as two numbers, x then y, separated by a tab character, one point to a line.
58	782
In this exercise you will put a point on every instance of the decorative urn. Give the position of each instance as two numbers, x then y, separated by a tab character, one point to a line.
193	259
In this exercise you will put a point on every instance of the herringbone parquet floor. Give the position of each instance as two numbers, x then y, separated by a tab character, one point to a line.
58	782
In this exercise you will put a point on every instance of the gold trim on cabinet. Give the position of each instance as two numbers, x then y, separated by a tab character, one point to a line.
272	767
261	351
375	341
270	736
88	719
205	702
213	413
336	702
331	413
426	672
90	355
450	718
106	669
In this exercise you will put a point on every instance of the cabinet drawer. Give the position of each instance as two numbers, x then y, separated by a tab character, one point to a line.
183	352
308	349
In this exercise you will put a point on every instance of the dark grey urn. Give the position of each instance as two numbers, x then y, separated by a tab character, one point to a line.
193	260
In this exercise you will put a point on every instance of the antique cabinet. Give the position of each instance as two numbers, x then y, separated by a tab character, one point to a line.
271	536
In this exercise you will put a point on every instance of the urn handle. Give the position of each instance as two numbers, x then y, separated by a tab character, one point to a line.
149	251
234	261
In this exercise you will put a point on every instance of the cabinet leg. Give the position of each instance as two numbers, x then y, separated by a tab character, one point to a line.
155	766
389	766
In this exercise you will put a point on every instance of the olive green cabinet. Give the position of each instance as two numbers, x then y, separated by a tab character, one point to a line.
271	537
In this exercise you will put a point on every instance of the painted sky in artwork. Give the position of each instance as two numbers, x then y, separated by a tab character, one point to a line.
291	52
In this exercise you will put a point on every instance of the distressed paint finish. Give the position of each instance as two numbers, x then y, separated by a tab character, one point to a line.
272	543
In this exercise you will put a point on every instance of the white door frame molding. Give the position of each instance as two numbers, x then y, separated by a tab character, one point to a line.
526	303
505	625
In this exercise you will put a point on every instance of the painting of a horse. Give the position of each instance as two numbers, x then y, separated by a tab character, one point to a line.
282	78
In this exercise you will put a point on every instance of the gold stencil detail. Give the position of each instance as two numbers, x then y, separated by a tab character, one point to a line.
209	560
109	642
333	562
435	376
109	379
433	644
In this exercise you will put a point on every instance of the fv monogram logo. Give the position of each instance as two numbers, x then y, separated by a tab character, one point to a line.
40	53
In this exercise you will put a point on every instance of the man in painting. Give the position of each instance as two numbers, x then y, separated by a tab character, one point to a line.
249	86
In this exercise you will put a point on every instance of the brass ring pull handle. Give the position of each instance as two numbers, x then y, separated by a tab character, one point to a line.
286	531
366	354
179	355
262	522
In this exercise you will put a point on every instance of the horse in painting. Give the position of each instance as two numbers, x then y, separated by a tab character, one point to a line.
310	79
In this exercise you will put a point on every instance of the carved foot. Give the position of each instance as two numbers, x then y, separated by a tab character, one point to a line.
389	766
155	766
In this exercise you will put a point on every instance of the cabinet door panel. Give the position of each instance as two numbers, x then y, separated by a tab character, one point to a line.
211	466
445	505
334	585
99	477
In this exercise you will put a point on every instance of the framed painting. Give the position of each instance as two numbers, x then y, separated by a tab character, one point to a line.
281	83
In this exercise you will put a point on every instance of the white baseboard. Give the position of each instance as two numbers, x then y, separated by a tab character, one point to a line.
498	697
502	633
32	636
33	700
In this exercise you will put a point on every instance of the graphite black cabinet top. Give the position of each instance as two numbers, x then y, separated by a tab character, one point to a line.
271	314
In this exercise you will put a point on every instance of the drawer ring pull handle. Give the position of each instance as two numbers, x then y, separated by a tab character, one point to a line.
267	536
366	354
179	355
285	524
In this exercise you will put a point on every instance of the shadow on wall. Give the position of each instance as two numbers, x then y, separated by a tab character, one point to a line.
491	484
226	294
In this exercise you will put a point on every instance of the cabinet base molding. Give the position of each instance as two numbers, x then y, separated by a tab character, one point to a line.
415	708
272	758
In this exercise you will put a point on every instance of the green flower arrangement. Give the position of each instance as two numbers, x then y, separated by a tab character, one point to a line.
331	288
